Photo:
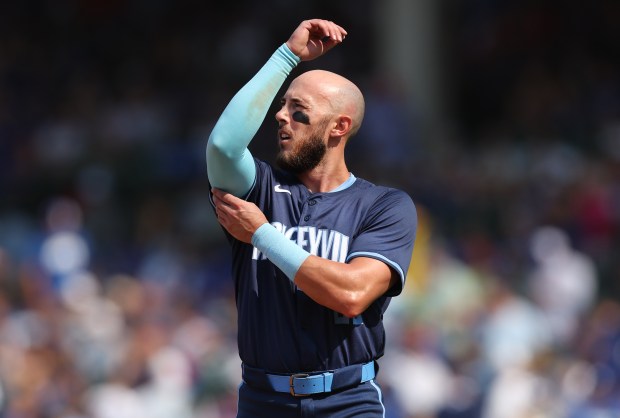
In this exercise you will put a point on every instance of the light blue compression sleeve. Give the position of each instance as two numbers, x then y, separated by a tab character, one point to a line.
284	253
230	165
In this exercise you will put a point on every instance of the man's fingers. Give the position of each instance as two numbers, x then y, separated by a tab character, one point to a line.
224	197
222	211
217	193
220	206
327	29
335	32
226	205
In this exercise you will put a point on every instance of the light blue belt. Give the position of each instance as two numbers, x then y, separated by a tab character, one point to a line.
304	384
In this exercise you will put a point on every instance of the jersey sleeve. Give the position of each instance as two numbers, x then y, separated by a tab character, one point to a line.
388	234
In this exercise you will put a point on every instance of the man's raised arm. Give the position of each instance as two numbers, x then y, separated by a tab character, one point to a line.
230	165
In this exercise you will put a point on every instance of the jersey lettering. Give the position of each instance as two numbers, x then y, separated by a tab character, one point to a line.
325	243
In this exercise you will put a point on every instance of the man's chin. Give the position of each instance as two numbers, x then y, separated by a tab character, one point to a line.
284	164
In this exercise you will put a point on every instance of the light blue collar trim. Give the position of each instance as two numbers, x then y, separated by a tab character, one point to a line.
346	184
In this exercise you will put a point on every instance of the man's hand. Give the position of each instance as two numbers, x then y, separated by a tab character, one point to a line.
240	218
314	37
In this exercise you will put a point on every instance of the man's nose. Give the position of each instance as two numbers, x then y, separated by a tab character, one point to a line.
281	117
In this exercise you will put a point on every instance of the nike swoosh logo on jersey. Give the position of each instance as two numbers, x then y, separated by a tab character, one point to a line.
279	189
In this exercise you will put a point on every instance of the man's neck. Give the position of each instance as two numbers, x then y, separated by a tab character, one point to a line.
322	180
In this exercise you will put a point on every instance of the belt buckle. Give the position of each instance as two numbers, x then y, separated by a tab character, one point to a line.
292	385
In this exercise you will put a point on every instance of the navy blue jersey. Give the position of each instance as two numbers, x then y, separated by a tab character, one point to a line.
282	330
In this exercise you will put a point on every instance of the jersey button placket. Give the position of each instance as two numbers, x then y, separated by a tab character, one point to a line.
309	204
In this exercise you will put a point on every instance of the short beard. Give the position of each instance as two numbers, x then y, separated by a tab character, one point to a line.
308	156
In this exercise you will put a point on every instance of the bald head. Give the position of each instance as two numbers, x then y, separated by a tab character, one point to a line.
340	93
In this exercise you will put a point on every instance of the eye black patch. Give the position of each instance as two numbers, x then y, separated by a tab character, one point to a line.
301	117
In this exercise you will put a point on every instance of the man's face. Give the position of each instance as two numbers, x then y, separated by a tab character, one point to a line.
302	132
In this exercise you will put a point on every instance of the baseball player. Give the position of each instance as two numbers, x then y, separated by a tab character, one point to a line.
317	252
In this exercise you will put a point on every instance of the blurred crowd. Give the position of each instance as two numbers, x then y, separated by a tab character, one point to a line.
115	291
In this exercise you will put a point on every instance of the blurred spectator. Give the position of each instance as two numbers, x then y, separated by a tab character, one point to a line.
563	283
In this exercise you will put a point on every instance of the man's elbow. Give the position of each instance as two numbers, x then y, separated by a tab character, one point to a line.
216	147
353	304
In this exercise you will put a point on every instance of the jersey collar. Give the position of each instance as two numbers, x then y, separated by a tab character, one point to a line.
348	183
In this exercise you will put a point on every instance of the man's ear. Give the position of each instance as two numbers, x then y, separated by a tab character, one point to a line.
343	126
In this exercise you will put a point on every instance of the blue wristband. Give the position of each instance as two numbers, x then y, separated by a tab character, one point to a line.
284	253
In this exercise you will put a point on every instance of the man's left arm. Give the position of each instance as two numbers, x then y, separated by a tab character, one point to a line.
348	288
